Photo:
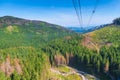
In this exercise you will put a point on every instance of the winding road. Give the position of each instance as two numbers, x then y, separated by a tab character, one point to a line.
74	71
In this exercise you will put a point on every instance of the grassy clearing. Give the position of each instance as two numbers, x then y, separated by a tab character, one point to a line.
63	69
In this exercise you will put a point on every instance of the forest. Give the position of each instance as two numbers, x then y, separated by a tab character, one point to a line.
28	50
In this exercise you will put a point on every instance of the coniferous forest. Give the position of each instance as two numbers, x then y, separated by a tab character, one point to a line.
28	49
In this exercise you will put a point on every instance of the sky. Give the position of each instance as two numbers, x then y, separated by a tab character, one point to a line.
61	12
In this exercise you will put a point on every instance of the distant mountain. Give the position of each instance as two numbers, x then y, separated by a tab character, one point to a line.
10	20
86	29
12	27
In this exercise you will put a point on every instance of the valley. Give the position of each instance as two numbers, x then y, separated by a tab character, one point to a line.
37	50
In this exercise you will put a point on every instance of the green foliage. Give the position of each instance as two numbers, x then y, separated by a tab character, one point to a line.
23	39
109	34
32	62
2	76
28	41
106	61
116	21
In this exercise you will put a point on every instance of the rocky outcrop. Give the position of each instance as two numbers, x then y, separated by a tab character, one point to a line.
8	68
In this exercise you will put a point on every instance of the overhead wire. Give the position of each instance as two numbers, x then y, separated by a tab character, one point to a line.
93	12
78	11
91	16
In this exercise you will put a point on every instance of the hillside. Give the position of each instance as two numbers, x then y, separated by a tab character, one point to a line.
36	50
106	41
96	52
21	57
109	35
27	32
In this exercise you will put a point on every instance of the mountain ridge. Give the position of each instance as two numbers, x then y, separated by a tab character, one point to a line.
87	29
11	20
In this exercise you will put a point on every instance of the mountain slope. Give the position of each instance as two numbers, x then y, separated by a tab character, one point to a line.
106	41
21	57
109	35
97	52
29	49
27	32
